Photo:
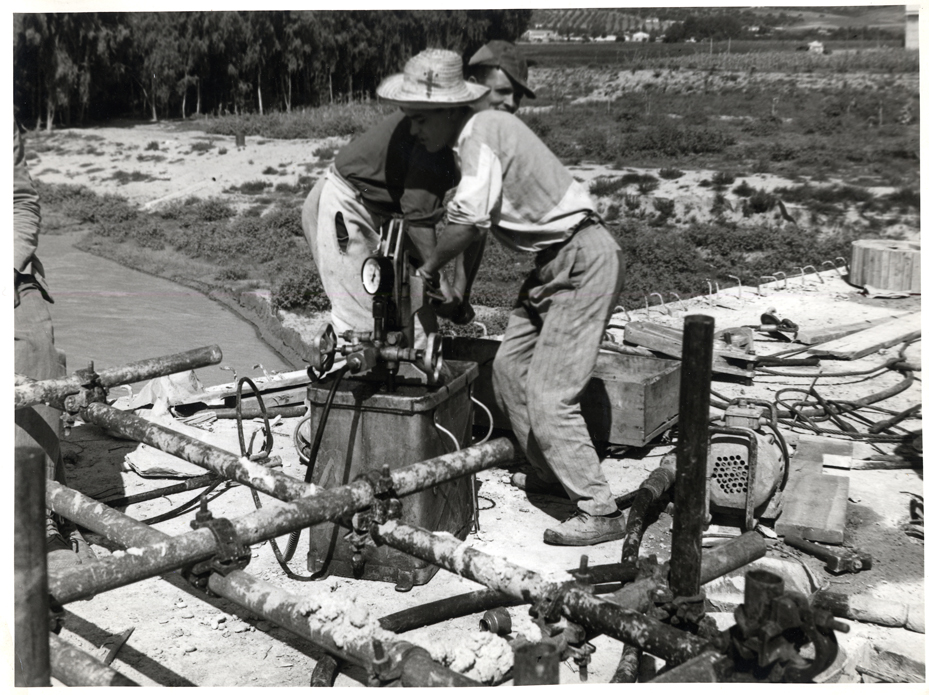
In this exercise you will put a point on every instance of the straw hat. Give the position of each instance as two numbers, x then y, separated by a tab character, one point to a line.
506	56
432	79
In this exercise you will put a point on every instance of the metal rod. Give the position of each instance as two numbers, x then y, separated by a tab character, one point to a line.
337	635
154	559
190	484
497	573
690	488
227	464
259	597
34	392
30	567
75	667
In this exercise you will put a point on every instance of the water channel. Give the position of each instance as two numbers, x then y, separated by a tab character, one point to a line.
112	315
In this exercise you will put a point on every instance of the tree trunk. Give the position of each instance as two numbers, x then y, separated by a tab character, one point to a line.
50	108
184	98
330	86
154	110
198	97
260	107
351	87
287	91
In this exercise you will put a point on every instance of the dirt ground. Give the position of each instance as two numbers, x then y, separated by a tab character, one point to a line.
183	638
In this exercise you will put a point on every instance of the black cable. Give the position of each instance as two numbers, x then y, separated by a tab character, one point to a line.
294	537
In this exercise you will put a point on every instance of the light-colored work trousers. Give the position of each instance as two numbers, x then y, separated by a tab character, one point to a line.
341	233
547	358
34	355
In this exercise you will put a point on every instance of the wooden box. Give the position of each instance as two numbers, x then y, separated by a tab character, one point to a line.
630	400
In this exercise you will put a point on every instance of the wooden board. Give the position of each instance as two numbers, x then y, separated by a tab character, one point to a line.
669	341
816	508
871	340
816	336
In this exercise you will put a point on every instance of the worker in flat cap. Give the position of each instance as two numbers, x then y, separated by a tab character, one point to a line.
385	173
499	66
513	186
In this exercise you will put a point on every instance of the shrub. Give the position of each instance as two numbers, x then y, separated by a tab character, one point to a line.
235	272
670	173
284	187
605	186
201	146
743	190
222	150
758	203
270	171
325	152
300	289
252	187
153	145
721	179
905	197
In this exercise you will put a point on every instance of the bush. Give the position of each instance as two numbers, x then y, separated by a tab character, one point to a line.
300	289
325	152
743	190
670	173
201	146
721	179
603	186
153	145
252	187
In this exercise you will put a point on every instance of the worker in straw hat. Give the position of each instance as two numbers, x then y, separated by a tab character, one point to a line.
512	185
386	172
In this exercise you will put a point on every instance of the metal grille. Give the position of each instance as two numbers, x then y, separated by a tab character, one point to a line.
731	474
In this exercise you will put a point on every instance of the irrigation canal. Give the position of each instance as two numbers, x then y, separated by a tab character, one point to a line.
111	314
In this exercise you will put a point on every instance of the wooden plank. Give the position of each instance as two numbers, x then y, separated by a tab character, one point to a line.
871	340
816	336
816	509
669	341
827	445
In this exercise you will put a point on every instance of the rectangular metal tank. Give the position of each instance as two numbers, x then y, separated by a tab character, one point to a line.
369	428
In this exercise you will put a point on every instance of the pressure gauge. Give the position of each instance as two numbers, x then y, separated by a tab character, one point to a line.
377	275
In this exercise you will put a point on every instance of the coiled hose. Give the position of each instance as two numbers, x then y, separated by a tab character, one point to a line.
294	538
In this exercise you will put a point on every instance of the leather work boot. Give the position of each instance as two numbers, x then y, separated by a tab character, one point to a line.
533	485
587	529
59	552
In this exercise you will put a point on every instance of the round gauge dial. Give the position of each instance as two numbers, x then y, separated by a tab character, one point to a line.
377	275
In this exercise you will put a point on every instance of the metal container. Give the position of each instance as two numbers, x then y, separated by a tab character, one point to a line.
369	428
630	400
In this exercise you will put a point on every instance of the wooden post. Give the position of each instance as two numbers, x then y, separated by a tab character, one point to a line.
690	488
30	571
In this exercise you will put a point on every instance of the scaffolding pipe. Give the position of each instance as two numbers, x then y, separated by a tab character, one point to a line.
56	390
229	465
595	613
690	486
717	562
259	597
338	635
30	566
153	559
76	668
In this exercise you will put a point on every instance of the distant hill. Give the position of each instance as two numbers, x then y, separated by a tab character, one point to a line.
598	22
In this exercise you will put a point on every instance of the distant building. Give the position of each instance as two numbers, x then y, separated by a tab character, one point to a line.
815	47
911	38
608	37
640	36
539	36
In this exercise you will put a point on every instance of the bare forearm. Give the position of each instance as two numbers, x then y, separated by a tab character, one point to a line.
454	240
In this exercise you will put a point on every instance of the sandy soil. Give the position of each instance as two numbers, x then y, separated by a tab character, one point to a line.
182	637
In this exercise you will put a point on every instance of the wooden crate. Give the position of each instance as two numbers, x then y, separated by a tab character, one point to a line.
630	400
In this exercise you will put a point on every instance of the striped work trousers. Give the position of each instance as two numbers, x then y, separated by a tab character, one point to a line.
547	358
